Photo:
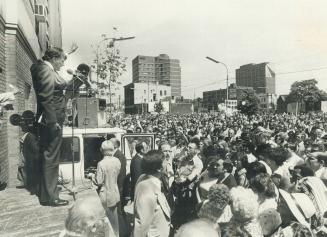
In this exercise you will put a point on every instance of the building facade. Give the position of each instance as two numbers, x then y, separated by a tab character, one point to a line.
160	69
258	76
24	37
211	99
138	95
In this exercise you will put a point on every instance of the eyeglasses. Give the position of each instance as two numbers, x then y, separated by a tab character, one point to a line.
167	151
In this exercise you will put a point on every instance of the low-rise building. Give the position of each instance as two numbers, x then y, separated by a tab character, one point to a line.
138	95
211	99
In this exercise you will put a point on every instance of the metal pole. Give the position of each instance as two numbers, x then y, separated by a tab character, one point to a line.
215	61
148	91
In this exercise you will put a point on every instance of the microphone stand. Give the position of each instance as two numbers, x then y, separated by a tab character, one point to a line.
73	189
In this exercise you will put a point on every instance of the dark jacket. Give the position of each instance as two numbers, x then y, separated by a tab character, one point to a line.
118	154
48	86
136	171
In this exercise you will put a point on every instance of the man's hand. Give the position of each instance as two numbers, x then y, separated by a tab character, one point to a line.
55	128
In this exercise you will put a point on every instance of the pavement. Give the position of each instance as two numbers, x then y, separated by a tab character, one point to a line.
22	215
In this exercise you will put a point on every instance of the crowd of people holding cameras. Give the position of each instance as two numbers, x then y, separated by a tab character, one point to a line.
219	175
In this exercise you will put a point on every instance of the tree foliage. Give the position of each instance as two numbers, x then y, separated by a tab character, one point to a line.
306	91
109	65
249	104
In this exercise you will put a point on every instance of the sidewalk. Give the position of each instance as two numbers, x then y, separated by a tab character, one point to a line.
22	215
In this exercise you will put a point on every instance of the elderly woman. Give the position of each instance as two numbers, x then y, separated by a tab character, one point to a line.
87	218
216	208
245	212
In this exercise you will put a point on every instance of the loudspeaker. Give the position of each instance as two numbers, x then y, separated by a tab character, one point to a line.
90	112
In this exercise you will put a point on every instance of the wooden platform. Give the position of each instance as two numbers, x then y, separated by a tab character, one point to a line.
22	215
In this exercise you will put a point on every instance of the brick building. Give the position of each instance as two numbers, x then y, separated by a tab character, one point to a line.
24	36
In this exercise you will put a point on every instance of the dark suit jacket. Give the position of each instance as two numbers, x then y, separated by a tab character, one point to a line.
136	171
122	174
48	86
230	181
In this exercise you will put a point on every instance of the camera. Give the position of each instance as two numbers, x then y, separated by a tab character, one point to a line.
27	118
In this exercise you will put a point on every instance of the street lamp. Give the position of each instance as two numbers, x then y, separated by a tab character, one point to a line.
218	62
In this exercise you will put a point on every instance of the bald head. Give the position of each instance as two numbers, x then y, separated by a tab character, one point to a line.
196	228
84	213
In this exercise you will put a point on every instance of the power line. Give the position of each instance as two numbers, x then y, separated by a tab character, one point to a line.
277	73
306	70
211	83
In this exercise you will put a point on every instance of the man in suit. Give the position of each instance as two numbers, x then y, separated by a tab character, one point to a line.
135	168
151	209
121	178
118	154
51	104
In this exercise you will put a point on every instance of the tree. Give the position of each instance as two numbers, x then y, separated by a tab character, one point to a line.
249	104
306	91
109	65
158	107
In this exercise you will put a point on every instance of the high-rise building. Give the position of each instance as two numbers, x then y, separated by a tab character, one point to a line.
159	69
258	76
27	29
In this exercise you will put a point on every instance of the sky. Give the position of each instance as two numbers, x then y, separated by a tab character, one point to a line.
291	35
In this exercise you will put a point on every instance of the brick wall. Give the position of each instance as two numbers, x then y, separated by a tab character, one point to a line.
12	132
18	64
3	129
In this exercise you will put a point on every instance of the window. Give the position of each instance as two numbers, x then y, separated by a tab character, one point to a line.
39	9
70	149
144	91
92	152
160	92
165	92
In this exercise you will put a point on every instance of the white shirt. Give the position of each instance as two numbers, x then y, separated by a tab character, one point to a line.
198	166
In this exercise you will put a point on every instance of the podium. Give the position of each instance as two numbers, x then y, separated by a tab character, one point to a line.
90	112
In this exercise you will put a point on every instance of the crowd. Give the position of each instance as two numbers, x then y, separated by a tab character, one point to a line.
210	174
218	175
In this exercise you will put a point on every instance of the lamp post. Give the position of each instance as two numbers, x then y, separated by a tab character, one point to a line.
218	62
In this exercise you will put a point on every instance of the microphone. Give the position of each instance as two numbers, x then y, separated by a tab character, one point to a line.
77	75
77	80
71	72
